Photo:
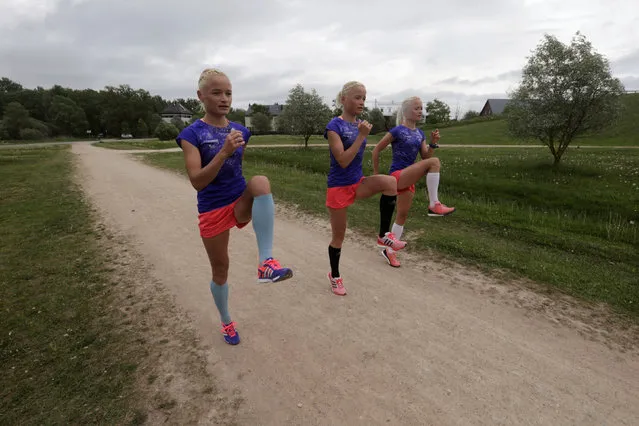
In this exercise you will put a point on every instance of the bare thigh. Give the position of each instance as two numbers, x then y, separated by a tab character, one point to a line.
375	184
413	173
256	186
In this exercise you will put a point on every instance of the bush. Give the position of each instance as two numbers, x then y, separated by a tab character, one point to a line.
166	131
40	126
31	135
178	123
142	130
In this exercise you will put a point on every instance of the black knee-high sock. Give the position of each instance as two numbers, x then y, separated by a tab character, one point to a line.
386	209
333	255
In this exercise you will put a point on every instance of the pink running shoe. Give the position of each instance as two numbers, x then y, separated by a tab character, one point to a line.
440	209
389	240
391	258
337	285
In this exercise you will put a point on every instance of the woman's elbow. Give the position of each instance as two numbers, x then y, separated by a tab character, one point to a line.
196	184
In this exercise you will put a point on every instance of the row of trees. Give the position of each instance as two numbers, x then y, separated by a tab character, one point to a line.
306	114
58	111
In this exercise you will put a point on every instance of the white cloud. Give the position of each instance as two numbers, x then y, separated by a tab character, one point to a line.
462	51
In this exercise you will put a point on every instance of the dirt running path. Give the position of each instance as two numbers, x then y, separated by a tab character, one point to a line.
436	345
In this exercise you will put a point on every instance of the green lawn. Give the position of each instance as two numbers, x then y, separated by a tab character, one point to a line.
574	228
56	139
131	145
63	359
495	132
255	140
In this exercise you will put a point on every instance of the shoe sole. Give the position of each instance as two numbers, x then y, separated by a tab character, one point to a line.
383	253
276	280
385	247
440	215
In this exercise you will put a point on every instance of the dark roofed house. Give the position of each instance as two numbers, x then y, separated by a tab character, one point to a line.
494	107
176	110
273	111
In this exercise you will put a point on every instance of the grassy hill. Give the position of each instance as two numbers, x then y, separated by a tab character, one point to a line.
495	132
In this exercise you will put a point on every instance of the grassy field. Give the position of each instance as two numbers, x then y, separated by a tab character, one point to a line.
574	228
137	144
255	140
623	133
56	139
61	355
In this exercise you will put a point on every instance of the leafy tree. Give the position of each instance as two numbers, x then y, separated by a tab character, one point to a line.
40	126
15	118
255	108
178	123
261	122
31	135
437	112
377	119
305	113
67	116
237	115
154	120
470	114
7	85
166	131
565	91
141	129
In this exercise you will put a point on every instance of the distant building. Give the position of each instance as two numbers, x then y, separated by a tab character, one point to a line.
274	111
176	110
494	107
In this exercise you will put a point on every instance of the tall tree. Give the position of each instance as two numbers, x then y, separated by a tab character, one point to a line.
305	113
565	91
141	129
255	108
67	116
437	112
15	118
261	122
376	118
237	115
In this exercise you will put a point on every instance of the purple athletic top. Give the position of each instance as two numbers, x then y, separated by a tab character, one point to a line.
351	174
406	144
229	184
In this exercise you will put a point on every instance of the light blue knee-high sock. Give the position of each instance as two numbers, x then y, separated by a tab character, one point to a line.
263	218
221	297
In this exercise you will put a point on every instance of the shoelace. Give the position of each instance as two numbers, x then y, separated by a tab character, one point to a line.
273	264
229	329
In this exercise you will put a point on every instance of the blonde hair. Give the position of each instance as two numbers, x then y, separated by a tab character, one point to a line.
208	74
402	109
347	88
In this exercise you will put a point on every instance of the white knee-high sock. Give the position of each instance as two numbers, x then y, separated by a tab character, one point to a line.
432	183
397	230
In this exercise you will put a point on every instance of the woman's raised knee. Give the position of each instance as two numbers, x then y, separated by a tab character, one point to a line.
259	185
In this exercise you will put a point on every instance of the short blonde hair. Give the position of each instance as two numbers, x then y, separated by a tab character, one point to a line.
208	74
402	109
347	88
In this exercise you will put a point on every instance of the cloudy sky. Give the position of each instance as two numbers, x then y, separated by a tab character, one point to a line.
462	51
